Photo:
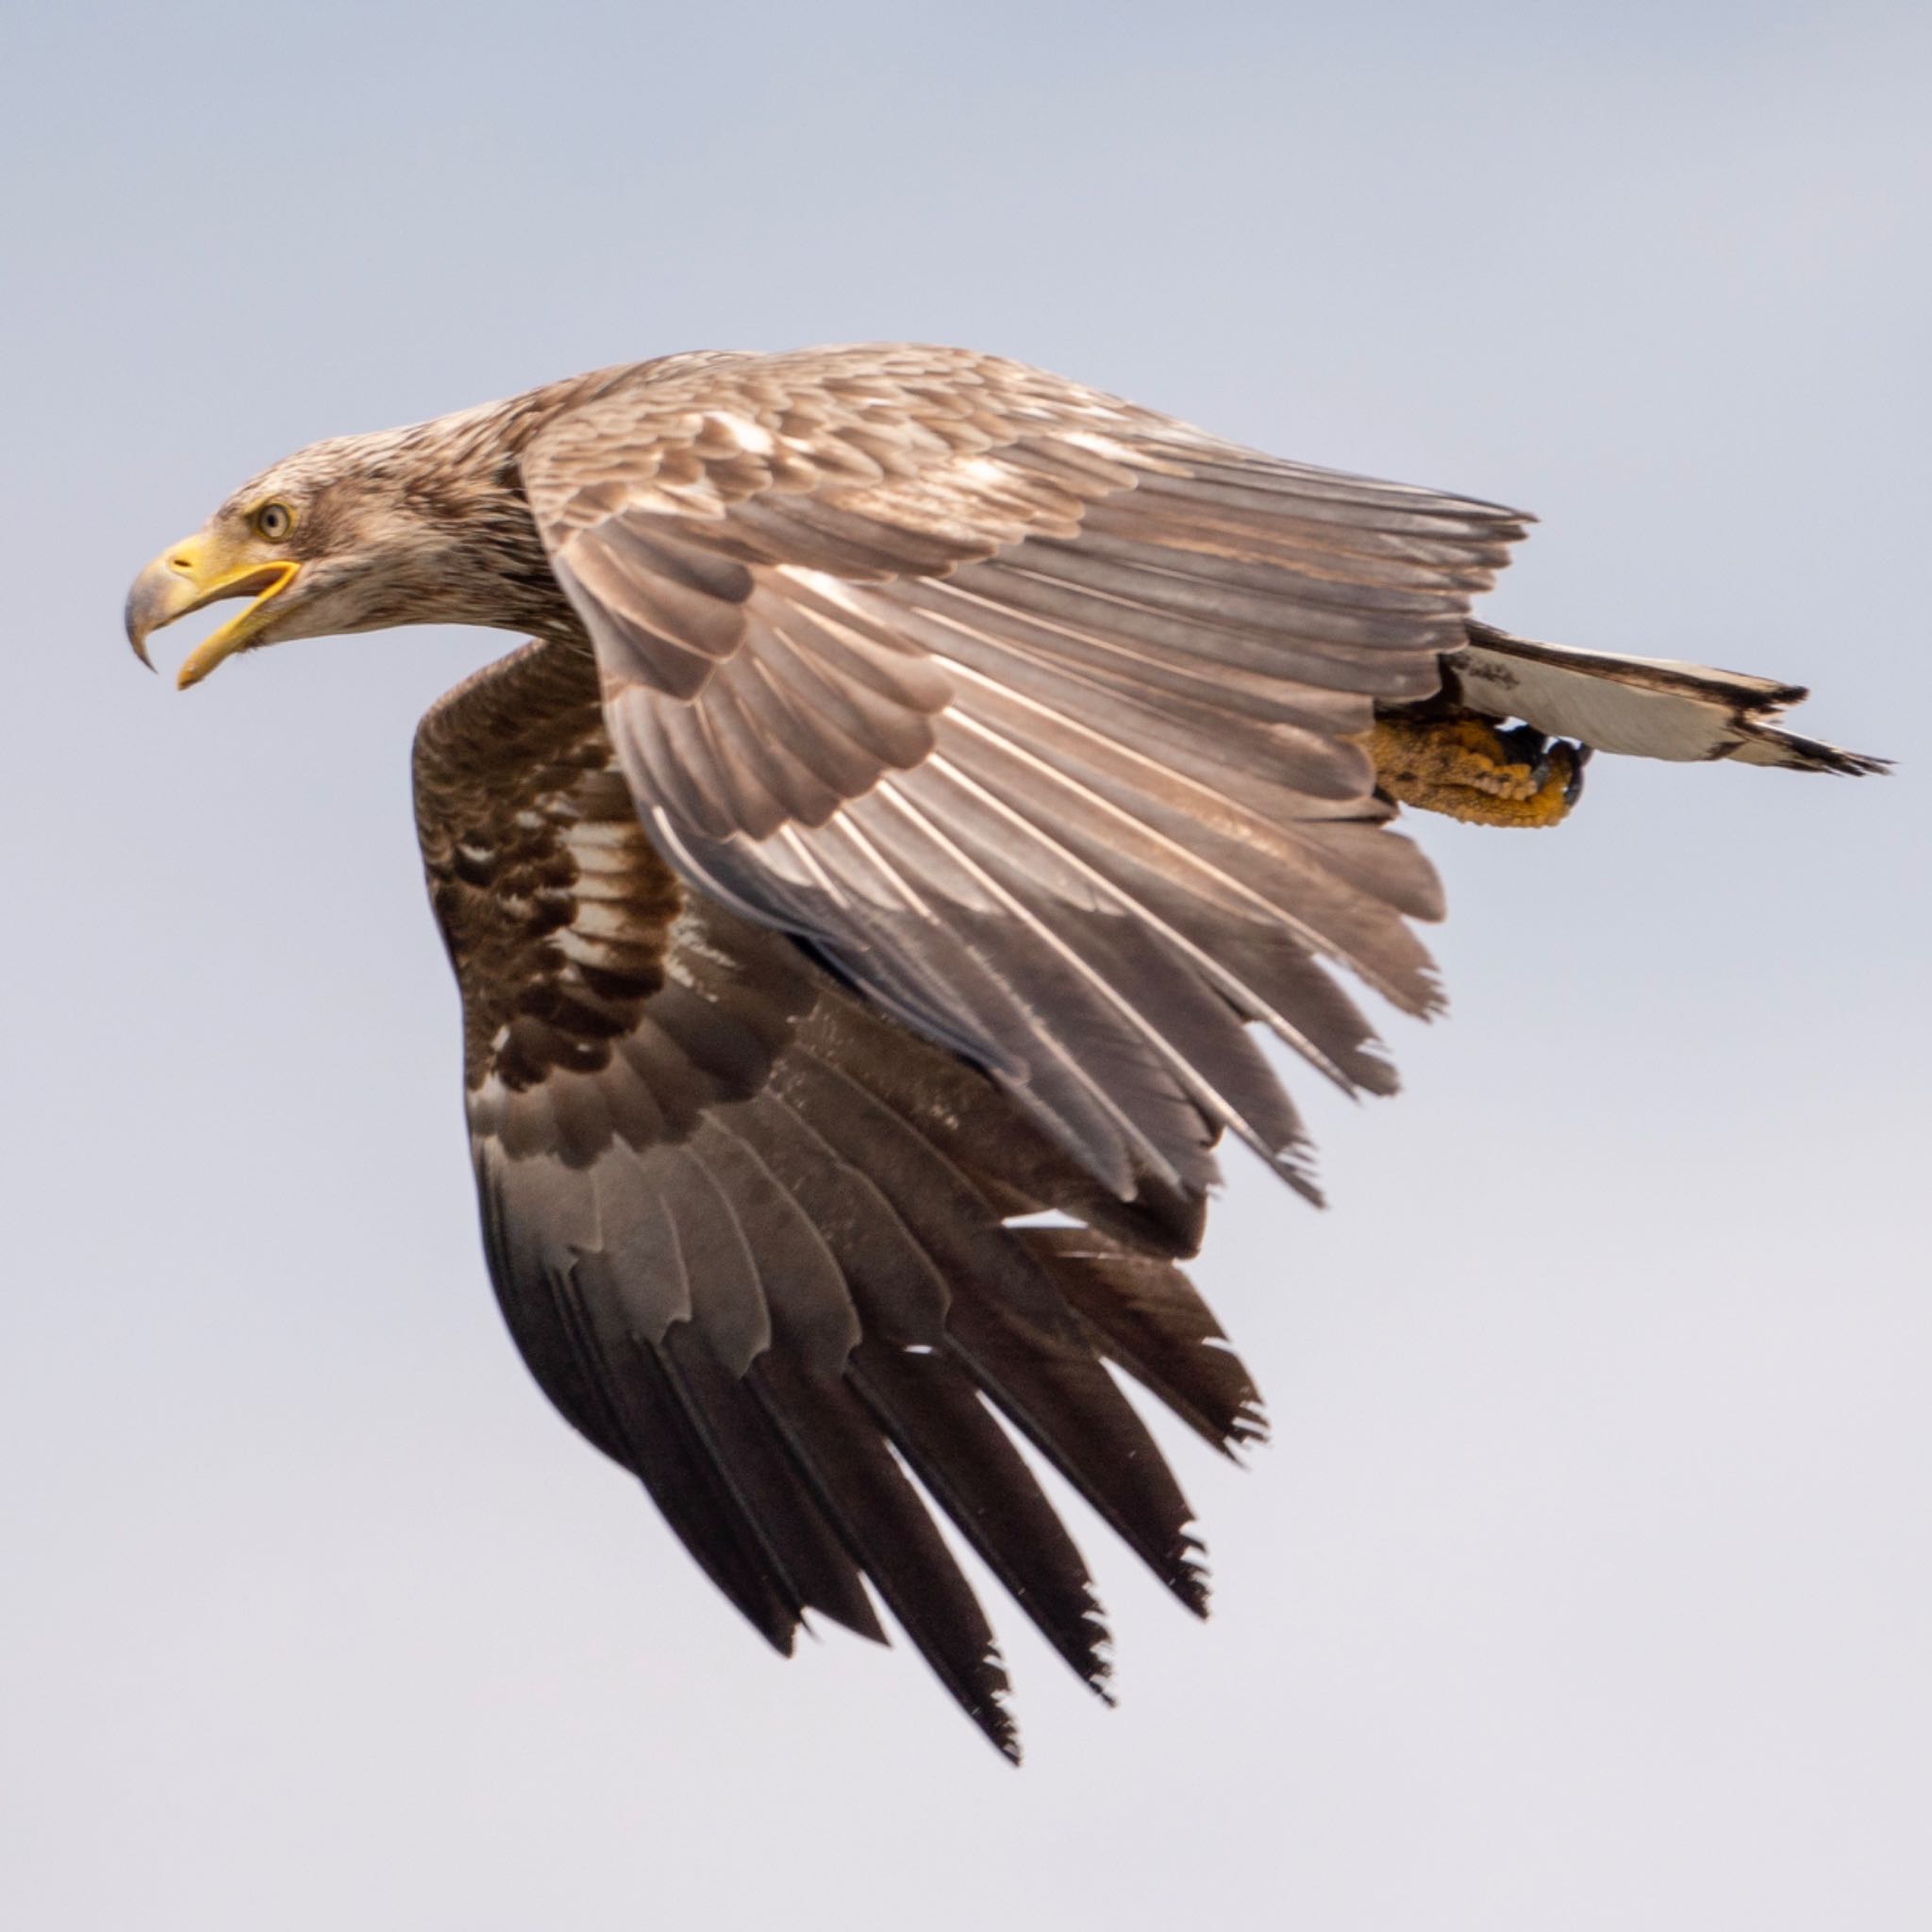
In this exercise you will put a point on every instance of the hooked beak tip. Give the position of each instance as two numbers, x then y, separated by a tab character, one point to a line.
137	620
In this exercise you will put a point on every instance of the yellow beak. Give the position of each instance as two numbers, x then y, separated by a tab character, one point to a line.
187	576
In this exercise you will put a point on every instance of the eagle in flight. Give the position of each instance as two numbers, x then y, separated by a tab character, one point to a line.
923	773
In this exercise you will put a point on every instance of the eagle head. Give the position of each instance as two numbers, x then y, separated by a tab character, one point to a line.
420	525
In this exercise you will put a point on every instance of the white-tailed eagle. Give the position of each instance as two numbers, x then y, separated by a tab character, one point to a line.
924	774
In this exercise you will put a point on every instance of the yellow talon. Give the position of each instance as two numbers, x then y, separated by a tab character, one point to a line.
1463	766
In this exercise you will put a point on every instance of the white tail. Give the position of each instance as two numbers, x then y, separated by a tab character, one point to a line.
1651	707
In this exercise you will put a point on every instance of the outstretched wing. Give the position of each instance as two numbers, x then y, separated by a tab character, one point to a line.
1035	712
753	1236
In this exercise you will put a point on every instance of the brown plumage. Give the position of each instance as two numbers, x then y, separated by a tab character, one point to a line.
926	771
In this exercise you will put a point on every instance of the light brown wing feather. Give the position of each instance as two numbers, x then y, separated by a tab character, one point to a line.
748	1232
1034	710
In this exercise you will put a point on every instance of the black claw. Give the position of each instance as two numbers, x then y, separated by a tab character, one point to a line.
1579	755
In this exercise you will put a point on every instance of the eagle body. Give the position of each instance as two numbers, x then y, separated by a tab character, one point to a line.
924	775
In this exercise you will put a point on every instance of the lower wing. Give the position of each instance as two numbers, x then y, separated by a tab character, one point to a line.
798	1269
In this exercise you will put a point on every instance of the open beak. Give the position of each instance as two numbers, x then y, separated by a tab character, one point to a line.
187	576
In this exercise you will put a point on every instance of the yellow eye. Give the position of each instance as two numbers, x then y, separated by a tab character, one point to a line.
275	520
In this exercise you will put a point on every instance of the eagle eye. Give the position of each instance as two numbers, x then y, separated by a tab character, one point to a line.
273	521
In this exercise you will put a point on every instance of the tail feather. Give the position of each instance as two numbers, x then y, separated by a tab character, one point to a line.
1649	707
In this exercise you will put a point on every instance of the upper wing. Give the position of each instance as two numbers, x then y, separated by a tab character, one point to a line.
1035	712
749	1232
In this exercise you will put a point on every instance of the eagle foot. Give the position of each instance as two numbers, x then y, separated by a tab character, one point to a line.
1464	766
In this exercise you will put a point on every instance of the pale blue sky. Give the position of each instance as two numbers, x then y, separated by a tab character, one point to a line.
1585	1583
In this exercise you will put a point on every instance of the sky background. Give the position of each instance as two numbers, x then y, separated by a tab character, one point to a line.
1587	1579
